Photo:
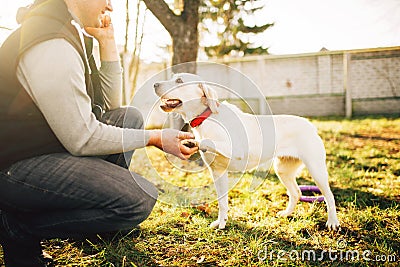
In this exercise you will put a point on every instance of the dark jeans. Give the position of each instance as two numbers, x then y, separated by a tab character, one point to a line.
63	196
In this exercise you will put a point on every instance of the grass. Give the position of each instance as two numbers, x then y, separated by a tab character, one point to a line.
363	157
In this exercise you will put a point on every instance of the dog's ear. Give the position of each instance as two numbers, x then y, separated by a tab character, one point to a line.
211	96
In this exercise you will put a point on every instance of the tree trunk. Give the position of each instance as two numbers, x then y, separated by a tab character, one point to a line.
183	31
185	38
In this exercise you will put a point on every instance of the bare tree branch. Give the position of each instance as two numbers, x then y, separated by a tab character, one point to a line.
127	20
163	13
5	28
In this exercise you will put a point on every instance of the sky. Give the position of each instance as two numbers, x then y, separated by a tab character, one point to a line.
300	26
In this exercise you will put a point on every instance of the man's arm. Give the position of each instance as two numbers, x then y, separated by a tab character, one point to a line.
56	83
111	84
110	70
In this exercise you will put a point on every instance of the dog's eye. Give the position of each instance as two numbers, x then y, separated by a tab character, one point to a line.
179	80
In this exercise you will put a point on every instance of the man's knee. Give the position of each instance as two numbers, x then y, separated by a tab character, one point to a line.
138	206
133	118
148	196
136	214
145	210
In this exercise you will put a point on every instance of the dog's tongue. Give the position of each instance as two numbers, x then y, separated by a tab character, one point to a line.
173	103
169	105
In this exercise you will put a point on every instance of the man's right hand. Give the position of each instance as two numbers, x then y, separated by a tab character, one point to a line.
170	141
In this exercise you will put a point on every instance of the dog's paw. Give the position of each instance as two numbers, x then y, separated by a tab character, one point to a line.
284	213
333	225
218	224
190	143
207	145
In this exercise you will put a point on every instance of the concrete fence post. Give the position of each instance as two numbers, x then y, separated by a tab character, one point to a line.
346	85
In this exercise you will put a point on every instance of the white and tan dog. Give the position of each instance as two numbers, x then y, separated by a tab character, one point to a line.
232	141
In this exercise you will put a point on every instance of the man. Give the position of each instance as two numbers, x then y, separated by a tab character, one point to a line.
63	170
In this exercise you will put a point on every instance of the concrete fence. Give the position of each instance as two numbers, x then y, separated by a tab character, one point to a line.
359	82
343	83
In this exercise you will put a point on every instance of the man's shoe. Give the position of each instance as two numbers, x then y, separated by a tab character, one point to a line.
19	252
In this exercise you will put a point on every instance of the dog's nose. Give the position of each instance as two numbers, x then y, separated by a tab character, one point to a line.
156	85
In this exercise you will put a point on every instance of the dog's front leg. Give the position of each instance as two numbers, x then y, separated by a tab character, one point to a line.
224	148
222	187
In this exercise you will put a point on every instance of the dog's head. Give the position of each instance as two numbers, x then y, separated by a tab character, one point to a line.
186	94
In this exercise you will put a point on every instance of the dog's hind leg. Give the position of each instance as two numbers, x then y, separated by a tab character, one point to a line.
315	161
318	171
287	168
222	187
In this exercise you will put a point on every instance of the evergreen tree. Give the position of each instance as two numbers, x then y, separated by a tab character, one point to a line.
227	23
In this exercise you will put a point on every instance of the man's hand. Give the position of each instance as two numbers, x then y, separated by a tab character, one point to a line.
173	142
104	32
105	36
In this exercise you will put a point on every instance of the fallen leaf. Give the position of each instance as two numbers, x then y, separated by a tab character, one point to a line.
185	214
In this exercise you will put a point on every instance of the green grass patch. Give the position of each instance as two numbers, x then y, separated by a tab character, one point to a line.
363	157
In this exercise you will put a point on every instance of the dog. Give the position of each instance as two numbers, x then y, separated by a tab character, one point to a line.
231	141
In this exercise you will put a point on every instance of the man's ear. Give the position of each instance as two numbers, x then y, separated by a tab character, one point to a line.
211	96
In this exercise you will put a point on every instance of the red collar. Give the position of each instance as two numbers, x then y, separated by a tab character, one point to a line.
202	117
